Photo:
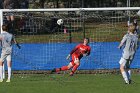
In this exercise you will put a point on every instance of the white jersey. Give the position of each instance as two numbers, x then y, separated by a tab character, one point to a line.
6	42
130	43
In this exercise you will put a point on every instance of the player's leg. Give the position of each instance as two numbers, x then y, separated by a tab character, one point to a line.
123	70
3	73
128	67
8	22
9	64
76	65
3	56
63	68
1	70
128	71
12	24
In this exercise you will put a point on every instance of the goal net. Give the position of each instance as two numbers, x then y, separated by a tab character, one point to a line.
45	44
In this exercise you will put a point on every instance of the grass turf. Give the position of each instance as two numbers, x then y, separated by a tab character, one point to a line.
79	83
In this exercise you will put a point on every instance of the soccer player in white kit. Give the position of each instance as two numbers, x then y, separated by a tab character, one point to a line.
130	43
6	40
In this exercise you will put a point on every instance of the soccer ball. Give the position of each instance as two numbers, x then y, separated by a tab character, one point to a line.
60	21
138	13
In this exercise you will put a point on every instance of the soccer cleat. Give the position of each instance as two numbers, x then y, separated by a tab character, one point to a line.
71	73
127	82
1	80
8	80
130	81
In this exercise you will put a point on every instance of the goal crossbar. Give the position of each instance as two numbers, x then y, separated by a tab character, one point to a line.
71	9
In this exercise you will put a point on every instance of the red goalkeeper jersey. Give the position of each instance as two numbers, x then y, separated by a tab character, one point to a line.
81	50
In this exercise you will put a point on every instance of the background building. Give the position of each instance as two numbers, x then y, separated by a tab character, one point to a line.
82	3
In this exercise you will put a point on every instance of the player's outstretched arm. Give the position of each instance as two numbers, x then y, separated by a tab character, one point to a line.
68	57
17	44
122	41
120	46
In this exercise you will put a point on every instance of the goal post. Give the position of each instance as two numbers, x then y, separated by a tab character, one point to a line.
45	44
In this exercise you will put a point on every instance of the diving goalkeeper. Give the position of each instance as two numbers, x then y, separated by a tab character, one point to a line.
76	54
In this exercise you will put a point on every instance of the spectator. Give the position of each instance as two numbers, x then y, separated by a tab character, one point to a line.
1	2
10	4
24	4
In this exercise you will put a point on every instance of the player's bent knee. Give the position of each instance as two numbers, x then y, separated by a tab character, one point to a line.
70	66
77	61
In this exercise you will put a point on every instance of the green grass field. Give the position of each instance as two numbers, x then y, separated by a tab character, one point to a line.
79	83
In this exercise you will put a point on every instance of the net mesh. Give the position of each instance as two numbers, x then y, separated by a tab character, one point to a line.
45	44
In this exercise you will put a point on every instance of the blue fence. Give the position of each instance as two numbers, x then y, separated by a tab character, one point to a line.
46	56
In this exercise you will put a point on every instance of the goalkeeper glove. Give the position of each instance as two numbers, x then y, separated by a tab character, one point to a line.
68	57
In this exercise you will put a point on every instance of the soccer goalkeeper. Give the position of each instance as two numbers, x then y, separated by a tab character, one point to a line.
6	43
130	43
77	53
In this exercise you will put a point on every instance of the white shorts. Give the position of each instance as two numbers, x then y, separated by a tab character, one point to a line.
128	56
125	62
5	56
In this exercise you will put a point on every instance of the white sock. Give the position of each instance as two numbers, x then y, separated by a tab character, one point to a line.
3	73
129	73
125	76
9	72
1	70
